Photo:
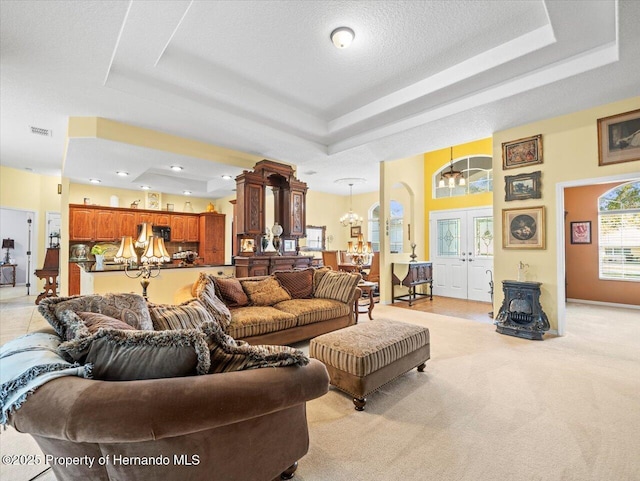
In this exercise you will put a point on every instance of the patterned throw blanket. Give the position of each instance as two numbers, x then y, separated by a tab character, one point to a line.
26	363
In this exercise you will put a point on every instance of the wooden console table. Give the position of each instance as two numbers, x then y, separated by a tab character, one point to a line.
3	275
410	275
268	264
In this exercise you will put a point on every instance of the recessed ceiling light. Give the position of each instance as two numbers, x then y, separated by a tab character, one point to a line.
177	168
94	181
186	192
226	177
342	37
122	173
145	187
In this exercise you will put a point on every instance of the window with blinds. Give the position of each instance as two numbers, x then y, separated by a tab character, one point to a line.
619	233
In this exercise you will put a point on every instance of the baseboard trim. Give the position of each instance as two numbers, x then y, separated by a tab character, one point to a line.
605	304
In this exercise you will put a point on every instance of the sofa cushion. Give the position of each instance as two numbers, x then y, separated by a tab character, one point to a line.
95	321
227	354
299	284
188	315
318	274
265	292
205	292
129	355
230	291
129	308
339	286
308	311
256	320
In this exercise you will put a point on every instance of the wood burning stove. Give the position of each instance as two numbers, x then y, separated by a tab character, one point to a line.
521	314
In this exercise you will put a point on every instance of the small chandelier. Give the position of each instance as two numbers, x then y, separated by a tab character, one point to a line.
360	252
351	218
451	176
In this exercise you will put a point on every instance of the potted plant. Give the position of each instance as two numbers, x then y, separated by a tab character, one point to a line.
98	252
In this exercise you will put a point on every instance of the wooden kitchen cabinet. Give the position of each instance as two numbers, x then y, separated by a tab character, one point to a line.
81	224
193	228
106	229
178	228
126	224
212	232
74	279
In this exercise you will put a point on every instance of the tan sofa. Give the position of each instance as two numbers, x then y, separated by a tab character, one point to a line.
288	321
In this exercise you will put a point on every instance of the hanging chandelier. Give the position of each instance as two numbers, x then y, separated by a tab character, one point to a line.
351	218
449	177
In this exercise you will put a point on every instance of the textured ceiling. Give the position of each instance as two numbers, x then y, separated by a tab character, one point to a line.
263	78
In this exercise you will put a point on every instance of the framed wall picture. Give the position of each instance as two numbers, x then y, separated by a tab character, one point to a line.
247	245
153	200
522	186
289	245
523	228
581	232
619	138
522	152
356	231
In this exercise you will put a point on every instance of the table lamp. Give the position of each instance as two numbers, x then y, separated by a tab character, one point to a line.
8	244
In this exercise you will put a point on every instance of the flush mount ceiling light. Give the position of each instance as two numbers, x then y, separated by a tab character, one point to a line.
226	177
145	187
186	192
94	181
176	168
342	37
122	173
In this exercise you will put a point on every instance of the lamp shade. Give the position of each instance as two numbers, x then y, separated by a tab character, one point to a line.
126	252
146	232
8	244
155	252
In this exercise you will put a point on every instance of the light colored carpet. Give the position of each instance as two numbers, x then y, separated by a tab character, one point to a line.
492	407
487	407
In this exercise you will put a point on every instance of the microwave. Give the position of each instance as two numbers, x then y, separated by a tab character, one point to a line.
163	231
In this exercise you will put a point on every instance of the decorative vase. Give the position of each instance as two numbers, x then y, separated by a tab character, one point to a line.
276	244
264	242
99	262
188	207
413	253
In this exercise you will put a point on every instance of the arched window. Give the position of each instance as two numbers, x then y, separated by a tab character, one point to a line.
478	173
395	227
619	233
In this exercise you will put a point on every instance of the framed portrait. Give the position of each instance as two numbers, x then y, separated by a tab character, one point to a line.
619	138
247	245
581	232
522	186
170	207
356	231
523	228
153	201
522	152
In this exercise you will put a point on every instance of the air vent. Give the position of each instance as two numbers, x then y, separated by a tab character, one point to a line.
40	131
310	172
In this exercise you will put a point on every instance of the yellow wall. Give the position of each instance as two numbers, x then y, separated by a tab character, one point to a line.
24	190
434	161
570	153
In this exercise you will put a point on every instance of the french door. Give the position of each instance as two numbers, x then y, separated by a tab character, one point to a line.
461	250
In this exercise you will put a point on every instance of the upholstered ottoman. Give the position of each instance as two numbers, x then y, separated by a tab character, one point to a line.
364	357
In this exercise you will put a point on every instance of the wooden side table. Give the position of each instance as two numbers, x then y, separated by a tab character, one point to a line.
3	274
367	287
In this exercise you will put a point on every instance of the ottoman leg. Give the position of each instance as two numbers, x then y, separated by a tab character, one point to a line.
359	403
289	473
421	367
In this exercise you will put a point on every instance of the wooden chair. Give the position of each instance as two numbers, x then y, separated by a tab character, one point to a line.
374	272
330	258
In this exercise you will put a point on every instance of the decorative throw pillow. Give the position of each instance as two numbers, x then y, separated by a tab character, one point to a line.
227	354
95	321
230	291
129	308
206	293
129	355
299	284
188	315
265	292
339	286
318	274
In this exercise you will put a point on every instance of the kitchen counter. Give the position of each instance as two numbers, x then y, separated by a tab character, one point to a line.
89	266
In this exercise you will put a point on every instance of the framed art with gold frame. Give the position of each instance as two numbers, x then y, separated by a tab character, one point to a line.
522	152
523	228
619	138
153	201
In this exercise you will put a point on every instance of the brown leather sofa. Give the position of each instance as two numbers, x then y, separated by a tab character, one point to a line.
243	425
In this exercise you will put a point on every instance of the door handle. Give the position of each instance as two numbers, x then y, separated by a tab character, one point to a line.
463	260
470	260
